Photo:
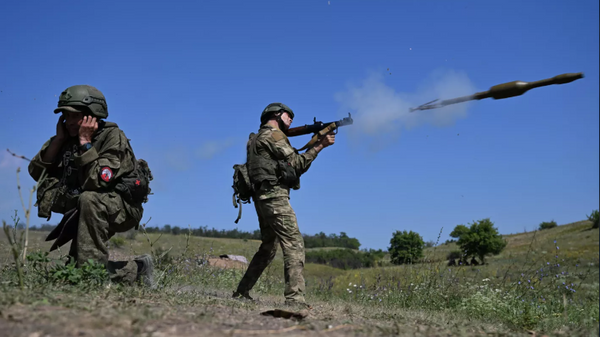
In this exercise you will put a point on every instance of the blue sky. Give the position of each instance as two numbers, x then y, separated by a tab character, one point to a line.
187	82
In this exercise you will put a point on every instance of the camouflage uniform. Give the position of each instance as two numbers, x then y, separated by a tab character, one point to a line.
85	183
276	217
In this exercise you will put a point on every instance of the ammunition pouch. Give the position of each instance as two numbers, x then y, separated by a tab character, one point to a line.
47	193
287	174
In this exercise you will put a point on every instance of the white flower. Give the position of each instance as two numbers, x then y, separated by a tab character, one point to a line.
485	279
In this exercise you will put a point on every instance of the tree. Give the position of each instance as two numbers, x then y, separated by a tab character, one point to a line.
548	225
481	240
458	231
406	247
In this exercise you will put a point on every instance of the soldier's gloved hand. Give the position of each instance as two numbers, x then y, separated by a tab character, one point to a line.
328	140
87	129
61	129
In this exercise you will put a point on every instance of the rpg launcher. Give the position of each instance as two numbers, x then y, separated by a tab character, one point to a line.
504	90
319	129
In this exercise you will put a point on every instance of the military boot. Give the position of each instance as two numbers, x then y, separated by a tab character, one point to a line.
239	295
145	271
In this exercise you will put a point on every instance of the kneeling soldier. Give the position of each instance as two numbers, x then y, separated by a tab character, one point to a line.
88	165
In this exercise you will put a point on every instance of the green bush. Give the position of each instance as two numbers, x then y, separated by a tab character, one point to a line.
594	218
406	247
481	240
453	255
548	225
92	272
346	258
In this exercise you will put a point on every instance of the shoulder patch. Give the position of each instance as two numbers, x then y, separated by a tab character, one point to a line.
278	135
106	174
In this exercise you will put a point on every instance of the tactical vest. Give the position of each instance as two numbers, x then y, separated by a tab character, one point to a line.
262	168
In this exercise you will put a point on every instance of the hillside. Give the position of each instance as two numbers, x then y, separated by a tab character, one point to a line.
520	290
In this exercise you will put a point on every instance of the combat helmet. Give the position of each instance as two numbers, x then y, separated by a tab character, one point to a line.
83	98
274	108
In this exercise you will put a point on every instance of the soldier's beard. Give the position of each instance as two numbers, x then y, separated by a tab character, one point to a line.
282	125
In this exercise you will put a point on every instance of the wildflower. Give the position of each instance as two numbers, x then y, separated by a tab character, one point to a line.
522	274
554	241
528	281
350	284
519	282
531	287
556	247
547	262
558	264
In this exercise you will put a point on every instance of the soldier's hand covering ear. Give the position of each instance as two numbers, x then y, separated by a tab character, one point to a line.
87	129
61	129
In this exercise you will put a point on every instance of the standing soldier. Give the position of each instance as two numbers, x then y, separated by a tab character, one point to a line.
274	167
93	179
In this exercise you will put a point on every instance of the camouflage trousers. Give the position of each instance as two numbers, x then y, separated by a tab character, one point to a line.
278	226
101	215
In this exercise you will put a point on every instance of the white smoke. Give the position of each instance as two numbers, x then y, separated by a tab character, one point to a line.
380	112
209	149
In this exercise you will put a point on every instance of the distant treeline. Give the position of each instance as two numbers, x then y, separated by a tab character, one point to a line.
346	258
310	241
331	240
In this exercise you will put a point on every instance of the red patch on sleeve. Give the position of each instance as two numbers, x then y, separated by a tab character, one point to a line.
106	174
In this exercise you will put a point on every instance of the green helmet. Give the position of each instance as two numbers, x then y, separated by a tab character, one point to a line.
274	108
83	98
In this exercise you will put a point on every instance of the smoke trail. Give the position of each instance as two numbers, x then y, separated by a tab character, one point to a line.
380	112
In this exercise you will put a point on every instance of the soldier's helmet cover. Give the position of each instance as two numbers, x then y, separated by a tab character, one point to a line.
275	108
83	98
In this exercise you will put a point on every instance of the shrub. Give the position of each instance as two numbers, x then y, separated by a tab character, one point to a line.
406	247
548	225
482	239
594	218
453	255
458	231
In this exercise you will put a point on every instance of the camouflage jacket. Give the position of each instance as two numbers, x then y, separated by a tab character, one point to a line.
97	169
272	143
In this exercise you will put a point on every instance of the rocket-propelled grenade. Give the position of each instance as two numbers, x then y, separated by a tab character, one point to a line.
504	90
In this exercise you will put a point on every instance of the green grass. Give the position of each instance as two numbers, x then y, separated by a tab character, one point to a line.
450	300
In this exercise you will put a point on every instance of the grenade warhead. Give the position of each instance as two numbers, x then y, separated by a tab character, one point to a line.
504	90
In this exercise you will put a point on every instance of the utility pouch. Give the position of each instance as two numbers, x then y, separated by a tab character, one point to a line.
287	174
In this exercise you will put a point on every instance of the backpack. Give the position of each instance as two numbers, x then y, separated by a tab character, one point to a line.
135	186
242	188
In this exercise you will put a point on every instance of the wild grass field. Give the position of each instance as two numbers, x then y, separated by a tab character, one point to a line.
544	283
